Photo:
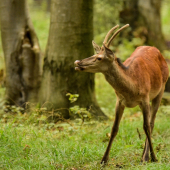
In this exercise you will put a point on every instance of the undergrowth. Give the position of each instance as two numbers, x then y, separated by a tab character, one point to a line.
27	142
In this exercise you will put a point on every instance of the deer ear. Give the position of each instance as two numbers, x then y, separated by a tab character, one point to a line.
108	52
96	47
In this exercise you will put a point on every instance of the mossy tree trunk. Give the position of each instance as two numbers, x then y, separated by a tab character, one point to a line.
21	51
145	20
70	36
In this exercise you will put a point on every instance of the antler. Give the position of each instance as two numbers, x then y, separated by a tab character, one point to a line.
108	34
114	35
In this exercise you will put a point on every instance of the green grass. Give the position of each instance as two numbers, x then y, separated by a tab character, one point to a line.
29	142
64	146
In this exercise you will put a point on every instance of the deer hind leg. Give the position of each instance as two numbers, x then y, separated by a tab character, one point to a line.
154	108
145	106
118	115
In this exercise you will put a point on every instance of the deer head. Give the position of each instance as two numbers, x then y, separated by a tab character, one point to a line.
103	57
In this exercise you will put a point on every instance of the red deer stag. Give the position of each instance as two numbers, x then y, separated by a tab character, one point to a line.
137	81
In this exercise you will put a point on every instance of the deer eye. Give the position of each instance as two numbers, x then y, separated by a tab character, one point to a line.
99	58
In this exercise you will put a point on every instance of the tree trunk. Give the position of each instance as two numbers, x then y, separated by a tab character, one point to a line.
48	3
71	32
21	51
145	21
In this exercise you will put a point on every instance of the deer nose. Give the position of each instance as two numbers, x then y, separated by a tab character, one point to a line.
76	62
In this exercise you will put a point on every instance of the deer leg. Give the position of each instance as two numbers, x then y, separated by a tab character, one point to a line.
145	155
147	128
155	105
118	115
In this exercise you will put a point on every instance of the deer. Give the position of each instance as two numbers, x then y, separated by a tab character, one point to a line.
139	80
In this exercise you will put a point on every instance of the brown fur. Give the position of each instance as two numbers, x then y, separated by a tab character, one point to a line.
137	81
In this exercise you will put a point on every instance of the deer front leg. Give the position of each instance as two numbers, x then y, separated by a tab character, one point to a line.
118	115
147	128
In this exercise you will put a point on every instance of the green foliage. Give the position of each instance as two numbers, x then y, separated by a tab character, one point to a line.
166	54
13	109
122	51
165	13
40	115
18	115
106	15
82	113
72	97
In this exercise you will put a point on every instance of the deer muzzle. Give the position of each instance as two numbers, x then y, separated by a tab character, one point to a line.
76	62
77	66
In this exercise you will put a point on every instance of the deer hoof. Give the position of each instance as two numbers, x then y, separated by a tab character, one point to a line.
104	161
145	158
154	160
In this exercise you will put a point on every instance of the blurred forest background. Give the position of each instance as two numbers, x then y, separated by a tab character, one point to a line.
149	25
36	130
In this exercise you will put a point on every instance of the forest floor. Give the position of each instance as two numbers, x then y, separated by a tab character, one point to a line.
30	141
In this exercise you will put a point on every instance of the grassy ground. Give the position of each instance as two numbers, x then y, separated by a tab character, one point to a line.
31	142
38	145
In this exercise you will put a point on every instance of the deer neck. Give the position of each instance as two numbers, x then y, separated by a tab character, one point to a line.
119	78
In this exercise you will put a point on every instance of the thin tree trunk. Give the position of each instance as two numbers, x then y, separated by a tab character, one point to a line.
70	36
21	51
145	20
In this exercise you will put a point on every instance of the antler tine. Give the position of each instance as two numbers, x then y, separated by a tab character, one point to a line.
108	34
114	35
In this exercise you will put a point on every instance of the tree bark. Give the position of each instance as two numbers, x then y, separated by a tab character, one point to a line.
70	35
48	3
21	51
145	21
